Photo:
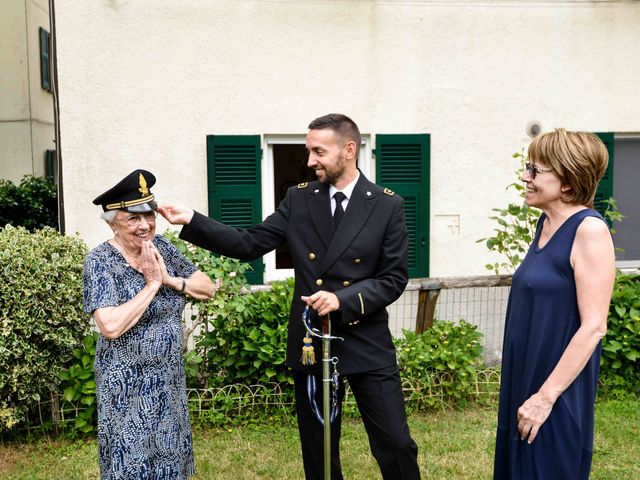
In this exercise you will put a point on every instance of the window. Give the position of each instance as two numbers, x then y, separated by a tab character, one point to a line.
289	162
45	64
284	166
244	187
620	181
627	194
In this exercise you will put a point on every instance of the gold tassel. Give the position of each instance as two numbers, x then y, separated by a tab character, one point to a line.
308	353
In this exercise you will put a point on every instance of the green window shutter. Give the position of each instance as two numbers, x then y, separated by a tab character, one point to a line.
605	186
403	165
45	70
50	165
233	166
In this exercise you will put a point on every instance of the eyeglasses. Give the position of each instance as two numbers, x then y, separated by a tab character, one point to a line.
535	170
134	220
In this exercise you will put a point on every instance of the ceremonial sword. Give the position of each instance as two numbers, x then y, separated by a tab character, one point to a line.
327	380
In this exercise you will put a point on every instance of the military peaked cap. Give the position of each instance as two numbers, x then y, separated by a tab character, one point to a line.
131	194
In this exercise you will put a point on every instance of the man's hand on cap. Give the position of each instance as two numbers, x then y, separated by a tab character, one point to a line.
175	214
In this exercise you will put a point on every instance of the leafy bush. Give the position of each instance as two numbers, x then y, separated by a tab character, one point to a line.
41	317
234	283
620	361
79	386
244	335
448	354
249	345
32	204
516	227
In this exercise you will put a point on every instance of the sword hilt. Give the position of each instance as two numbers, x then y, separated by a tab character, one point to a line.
326	328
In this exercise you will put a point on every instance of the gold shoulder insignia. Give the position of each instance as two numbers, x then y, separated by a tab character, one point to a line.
303	185
391	193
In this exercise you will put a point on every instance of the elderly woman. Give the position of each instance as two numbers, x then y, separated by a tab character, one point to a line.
135	286
556	317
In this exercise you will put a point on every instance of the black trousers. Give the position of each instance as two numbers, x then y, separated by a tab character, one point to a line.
379	398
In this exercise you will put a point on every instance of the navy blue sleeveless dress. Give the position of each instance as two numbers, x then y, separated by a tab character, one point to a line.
542	317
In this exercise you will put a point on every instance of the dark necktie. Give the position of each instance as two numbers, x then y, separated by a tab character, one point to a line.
338	213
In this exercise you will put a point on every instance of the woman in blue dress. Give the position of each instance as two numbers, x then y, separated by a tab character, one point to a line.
556	317
134	286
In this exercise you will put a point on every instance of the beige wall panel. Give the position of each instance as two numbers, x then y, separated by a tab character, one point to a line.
14	89
41	100
26	110
15	147
43	139
144	85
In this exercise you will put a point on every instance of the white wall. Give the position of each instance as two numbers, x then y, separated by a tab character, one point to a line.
26	110
42	121
142	83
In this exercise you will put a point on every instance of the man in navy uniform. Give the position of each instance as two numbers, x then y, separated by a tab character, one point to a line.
348	241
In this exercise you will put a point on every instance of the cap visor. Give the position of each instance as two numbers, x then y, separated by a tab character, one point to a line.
145	207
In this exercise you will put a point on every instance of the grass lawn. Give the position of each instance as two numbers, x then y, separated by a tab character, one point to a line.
453	445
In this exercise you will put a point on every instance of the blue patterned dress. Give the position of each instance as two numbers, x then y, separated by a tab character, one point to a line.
143	418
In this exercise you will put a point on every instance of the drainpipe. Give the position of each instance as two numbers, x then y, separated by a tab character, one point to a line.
56	114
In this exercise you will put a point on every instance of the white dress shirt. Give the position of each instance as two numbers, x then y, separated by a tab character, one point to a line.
348	191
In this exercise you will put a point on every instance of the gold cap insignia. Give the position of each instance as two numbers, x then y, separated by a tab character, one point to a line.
144	191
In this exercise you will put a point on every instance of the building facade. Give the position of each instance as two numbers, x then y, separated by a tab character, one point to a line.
26	104
214	97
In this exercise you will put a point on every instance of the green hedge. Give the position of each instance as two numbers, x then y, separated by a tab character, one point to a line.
243	341
250	346
31	204
448	354
620	361
41	318
244	335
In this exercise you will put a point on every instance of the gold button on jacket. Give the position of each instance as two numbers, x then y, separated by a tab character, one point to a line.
312	256
319	282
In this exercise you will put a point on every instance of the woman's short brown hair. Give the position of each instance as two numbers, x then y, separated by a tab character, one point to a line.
579	159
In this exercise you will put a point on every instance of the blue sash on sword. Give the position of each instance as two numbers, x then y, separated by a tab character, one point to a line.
308	358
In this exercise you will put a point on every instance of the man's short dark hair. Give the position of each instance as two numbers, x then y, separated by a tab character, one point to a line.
342	125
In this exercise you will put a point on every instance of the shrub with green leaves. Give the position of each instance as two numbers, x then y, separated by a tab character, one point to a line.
446	354
249	345
41	317
243	339
231	272
79	386
620	361
516	227
31	204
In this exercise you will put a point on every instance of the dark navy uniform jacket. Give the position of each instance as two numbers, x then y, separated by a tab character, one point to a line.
364	263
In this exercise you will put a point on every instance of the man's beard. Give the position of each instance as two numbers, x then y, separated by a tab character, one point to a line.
334	176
